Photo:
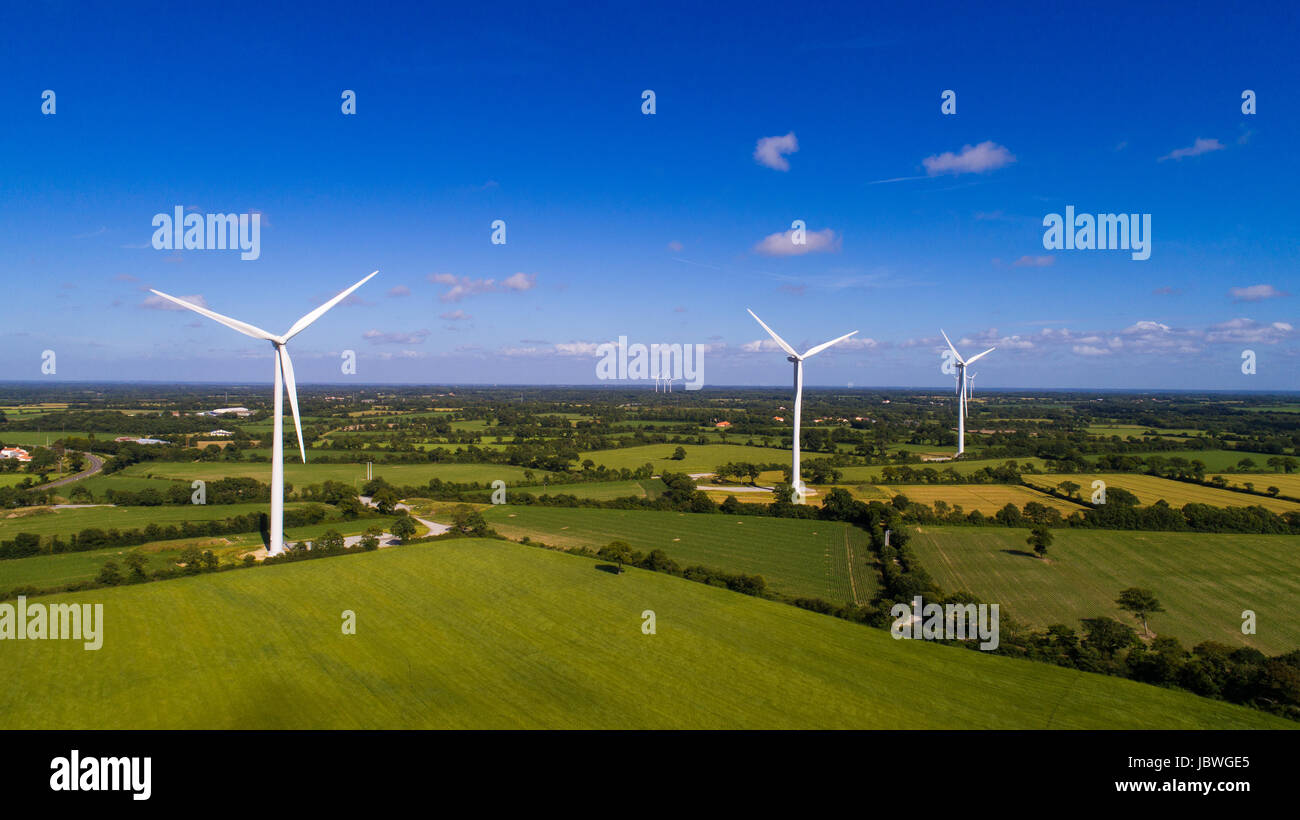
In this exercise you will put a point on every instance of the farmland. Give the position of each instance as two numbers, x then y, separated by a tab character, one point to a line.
799	558
1150	489
1204	581
487	634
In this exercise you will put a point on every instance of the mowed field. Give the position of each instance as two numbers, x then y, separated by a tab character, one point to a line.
699	458
1150	489
799	558
1204	581
486	634
987	498
1288	483
300	474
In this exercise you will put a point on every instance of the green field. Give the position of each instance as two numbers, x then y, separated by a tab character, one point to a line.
600	490
1149	489
1205	581
962	467
300	475
699	458
46	521
800	558
483	634
50	571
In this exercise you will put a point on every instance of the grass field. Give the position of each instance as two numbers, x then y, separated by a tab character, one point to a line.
483	634
601	490
300	474
46	521
963	467
1203	580
1150	489
808	558
699	458
49	571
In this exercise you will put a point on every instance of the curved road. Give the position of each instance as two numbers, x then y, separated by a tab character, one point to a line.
96	464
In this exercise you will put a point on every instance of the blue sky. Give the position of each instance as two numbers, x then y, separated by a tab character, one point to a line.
650	227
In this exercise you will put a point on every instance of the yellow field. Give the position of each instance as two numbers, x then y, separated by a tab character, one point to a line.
1288	483
987	498
1150	489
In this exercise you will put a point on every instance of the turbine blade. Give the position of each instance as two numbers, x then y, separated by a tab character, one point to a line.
302	323
819	348
976	358
772	333
233	324
287	366
950	347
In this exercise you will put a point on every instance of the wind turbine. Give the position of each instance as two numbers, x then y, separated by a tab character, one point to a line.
798	394
963	388
283	374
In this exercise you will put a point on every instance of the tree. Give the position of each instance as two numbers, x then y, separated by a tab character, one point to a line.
1040	538
135	562
109	575
404	528
1141	602
1273	491
329	543
679	454
1069	488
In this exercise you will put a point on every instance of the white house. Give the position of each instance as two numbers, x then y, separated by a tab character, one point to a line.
15	452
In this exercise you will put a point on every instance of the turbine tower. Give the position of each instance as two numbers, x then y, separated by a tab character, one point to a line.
798	394
963	388
283	375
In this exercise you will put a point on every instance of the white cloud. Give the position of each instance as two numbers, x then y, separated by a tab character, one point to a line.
782	244
1256	293
1044	261
456	315
399	290
379	337
973	159
768	151
1201	146
675	246
461	286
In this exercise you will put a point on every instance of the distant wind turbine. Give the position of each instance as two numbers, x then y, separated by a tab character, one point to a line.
963	388
283	374
798	394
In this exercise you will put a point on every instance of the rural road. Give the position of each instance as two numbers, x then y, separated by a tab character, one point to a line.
96	464
434	527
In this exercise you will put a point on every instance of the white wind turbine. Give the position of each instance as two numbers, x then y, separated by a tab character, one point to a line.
798	394
283	374
963	388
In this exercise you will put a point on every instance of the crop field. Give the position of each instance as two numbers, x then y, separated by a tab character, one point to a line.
807	558
45	521
699	458
1204	581
1287	483
987	498
484	634
1150	489
300	474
